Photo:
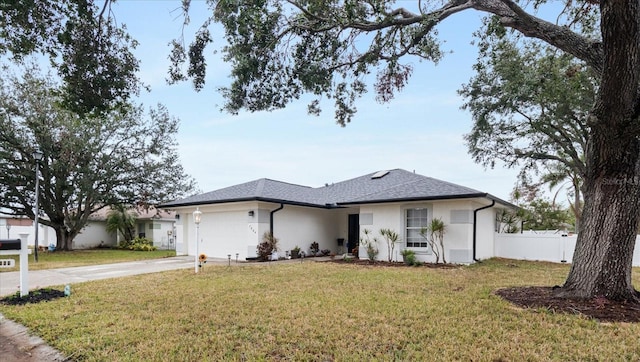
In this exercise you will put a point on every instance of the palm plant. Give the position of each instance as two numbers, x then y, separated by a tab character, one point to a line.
121	220
433	234
391	237
437	230
559	176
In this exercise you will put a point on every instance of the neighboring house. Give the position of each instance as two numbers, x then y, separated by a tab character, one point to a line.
235	218
12	226
157	225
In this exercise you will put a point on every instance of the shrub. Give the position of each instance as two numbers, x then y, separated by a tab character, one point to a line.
369	244
137	244
314	248
409	257
268	245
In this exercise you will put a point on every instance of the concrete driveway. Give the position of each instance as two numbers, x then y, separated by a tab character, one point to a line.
10	281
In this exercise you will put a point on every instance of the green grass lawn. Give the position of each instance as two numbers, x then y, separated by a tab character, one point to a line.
323	312
65	259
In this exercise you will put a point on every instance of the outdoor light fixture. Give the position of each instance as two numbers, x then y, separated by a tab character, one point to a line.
196	219
37	156
251	213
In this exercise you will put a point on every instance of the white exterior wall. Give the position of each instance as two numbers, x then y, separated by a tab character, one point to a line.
94	235
342	225
385	216
485	229
229	228
224	229
184	243
300	226
46	234
180	238
259	225
160	236
458	238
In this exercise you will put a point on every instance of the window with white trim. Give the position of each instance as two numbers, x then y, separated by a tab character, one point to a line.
416	220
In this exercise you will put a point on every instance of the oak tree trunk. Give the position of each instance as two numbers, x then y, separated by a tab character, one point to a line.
604	251
603	256
63	240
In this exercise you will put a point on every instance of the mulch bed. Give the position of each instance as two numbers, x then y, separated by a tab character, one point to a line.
34	296
600	308
390	264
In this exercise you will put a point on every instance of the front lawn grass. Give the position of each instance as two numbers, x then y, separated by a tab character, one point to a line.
323	312
65	259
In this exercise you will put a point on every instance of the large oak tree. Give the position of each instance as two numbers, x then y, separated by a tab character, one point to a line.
121	157
282	49
99	148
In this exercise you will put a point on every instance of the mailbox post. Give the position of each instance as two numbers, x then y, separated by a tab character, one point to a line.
24	264
18	247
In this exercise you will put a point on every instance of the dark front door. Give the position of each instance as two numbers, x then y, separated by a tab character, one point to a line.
354	232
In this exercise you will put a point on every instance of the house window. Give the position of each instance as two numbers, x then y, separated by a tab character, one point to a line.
417	219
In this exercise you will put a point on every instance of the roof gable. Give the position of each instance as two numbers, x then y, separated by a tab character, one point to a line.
261	189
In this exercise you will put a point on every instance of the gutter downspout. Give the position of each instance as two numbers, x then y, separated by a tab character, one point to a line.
271	217
475	226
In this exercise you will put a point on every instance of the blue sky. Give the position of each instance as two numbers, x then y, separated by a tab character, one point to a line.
421	129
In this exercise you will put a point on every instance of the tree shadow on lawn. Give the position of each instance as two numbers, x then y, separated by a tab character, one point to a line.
600	309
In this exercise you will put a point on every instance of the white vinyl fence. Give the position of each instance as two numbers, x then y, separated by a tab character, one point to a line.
543	246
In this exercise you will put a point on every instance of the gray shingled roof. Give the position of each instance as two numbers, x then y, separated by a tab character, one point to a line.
397	185
263	189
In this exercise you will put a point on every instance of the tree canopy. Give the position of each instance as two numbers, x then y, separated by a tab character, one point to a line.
91	53
90	161
280	50
530	105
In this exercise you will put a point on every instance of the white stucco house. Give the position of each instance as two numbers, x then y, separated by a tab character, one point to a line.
235	218
155	224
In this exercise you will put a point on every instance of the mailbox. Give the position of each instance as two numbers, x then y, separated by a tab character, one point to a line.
10	244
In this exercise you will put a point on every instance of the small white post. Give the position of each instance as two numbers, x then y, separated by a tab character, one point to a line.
24	264
196	219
